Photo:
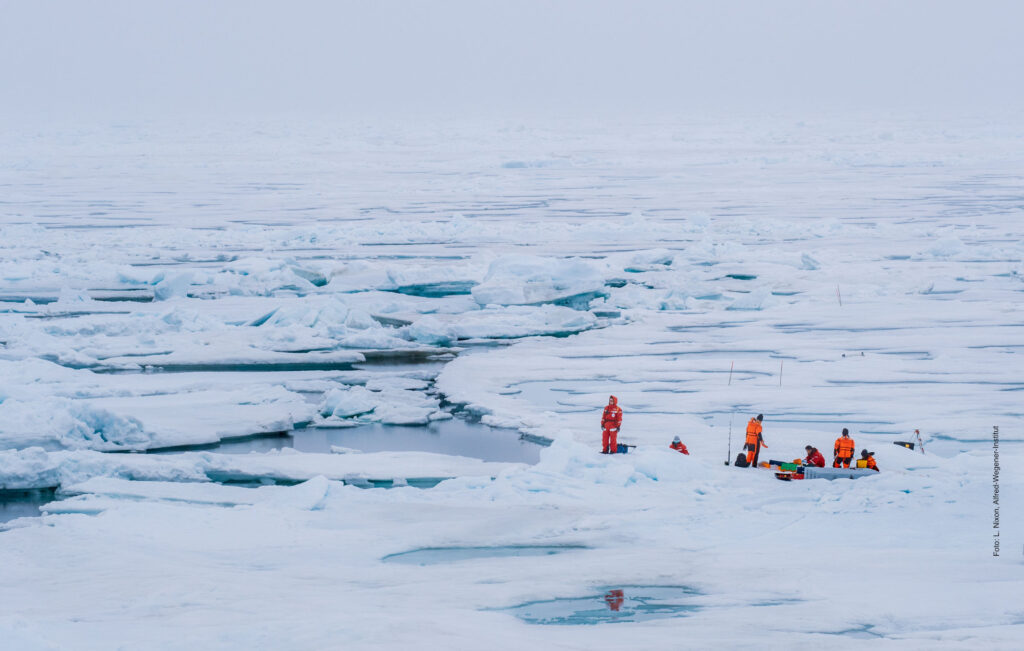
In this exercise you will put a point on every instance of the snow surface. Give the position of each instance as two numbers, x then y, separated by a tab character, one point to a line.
164	286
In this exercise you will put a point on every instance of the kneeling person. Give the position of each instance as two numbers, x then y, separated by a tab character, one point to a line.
814	457
869	459
677	445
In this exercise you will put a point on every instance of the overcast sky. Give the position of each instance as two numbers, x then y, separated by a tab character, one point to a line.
119	58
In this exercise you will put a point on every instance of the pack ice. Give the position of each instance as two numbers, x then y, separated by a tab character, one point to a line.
169	291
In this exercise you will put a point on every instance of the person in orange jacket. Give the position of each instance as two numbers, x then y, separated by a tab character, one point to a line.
676	444
611	420
814	457
869	457
754	440
844	450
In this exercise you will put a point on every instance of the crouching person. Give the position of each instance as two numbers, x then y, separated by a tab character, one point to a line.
678	446
868	460
814	458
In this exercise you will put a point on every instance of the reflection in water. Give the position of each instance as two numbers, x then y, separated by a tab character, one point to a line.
453	436
612	605
614	599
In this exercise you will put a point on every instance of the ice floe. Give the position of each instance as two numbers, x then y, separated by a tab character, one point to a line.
531	280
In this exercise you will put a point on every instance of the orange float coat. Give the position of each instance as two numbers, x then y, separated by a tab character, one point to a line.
844	451
754	442
680	447
872	464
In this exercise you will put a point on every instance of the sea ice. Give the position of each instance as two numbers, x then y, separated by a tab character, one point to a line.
531	280
826	273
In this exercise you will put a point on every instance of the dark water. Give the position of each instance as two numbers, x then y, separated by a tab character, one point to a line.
454	436
22	504
435	555
611	605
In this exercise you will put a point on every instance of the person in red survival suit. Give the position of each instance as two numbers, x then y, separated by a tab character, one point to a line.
678	445
814	457
611	420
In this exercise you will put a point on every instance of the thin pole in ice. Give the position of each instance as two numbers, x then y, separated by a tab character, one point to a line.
839	296
728	454
731	364
780	371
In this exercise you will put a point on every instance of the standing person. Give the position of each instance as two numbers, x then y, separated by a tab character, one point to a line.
843	450
814	457
754	440
869	458
611	420
678	445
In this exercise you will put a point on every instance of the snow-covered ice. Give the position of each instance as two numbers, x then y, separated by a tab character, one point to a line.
853	273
